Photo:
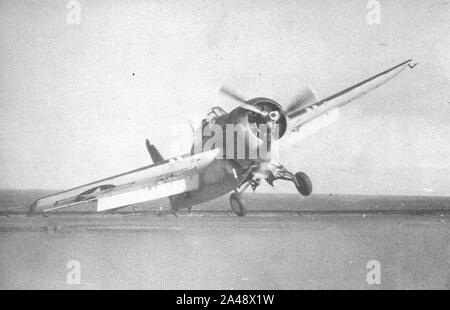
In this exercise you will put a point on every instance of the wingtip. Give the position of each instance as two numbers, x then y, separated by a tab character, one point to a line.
410	62
412	65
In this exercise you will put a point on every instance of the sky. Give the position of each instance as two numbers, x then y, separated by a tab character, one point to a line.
78	100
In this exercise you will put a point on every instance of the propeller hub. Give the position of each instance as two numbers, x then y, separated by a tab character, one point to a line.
274	116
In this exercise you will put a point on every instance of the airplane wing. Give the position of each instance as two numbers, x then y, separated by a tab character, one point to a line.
162	179
310	111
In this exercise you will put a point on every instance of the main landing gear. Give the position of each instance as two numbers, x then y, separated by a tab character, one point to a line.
303	183
300	179
277	172
247	179
237	204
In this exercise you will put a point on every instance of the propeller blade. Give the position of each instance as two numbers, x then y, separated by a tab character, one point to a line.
305	97
273	134
228	92
269	138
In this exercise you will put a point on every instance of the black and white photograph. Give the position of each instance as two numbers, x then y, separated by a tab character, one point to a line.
243	147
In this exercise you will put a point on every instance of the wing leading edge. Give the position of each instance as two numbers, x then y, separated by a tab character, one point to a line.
300	117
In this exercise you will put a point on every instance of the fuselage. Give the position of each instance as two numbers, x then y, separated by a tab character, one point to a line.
238	135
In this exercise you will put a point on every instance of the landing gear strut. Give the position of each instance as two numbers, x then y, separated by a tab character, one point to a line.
300	179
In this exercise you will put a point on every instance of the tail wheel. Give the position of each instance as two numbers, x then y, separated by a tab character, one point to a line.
303	184
237	204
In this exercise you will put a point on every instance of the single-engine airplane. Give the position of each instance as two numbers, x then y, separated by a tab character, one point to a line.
207	173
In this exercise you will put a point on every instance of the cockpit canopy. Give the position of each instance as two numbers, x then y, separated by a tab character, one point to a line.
215	113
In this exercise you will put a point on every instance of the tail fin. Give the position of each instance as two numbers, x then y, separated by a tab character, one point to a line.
154	153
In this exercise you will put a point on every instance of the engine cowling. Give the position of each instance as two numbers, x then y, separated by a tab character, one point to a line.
276	116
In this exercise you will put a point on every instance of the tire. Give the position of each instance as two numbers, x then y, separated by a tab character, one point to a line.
237	204
303	184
